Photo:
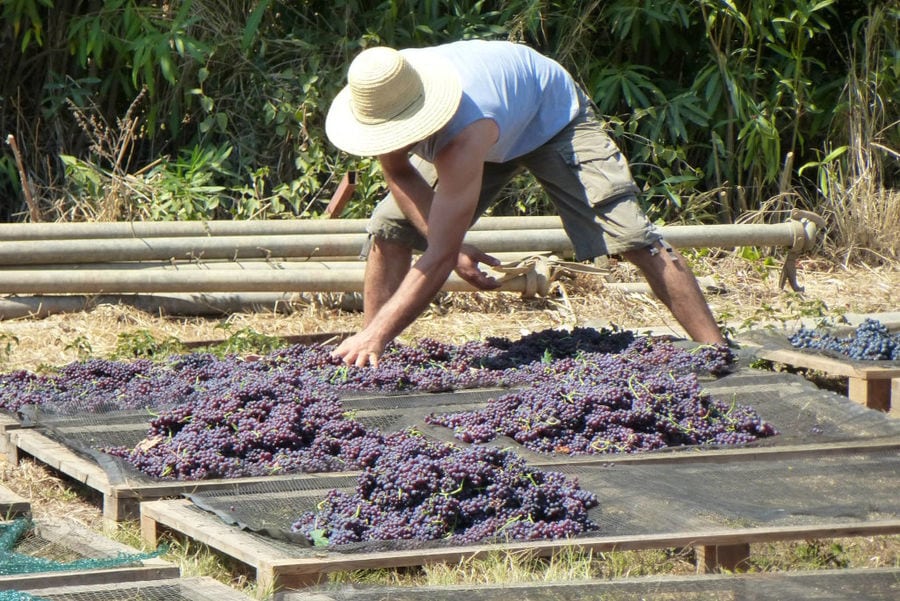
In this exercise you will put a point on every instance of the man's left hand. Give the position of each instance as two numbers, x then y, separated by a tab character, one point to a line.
467	267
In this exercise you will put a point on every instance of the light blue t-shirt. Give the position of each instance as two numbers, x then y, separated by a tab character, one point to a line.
530	96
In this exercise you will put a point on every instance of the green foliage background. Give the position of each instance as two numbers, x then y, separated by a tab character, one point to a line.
203	109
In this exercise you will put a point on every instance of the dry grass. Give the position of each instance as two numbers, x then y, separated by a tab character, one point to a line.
748	296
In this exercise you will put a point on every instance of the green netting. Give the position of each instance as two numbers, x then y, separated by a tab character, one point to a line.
18	596
12	562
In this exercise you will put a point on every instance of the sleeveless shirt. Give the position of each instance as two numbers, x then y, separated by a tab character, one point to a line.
529	96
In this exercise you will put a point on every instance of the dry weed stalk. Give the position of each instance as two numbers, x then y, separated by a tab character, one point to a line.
865	215
113	146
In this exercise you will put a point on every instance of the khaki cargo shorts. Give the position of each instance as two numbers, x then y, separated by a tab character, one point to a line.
586	177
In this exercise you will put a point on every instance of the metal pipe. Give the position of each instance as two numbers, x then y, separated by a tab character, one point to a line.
175	229
791	234
201	266
91	281
171	304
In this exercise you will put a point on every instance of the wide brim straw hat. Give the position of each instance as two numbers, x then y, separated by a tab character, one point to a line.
392	100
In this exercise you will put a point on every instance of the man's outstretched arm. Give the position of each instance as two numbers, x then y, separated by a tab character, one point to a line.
460	166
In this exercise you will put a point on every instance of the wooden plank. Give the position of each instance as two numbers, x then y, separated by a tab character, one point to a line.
7	424
699	455
60	458
189	589
177	516
874	394
276	568
300	571
895	394
716	558
341	196
851	583
317	338
99	576
12	505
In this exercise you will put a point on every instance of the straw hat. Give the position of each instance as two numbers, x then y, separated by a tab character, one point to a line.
391	101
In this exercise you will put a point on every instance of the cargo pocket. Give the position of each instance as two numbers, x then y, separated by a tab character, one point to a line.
599	165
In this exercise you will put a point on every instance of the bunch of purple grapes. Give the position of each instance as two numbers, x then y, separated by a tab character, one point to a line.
645	398
225	417
870	341
428	365
100	385
424	490
256	424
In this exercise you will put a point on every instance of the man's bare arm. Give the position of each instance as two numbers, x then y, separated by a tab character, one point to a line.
410	190
460	166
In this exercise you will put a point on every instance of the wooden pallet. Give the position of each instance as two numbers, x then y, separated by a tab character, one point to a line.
718	549
869	386
85	543
121	501
12	505
188	589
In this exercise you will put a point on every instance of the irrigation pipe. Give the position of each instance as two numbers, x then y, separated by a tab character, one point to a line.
792	234
177	229
40	306
207	304
99	281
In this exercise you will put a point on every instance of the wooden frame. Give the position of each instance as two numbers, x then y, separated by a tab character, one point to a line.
122	501
869	583
276	569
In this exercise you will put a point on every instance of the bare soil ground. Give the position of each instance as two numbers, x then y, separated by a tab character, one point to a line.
746	295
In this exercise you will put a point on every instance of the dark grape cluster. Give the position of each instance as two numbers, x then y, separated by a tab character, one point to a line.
261	422
644	398
225	417
869	341
99	385
424	490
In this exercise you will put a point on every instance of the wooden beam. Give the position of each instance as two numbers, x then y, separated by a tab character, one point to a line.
712	559
341	196
874	394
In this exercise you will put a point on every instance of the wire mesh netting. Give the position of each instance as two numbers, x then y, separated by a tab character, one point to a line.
801	413
637	499
181	589
859	585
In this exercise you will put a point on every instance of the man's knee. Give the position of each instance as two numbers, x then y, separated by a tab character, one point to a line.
654	258
387	247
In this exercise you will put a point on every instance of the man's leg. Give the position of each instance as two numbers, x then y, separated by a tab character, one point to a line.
675	285
387	264
590	183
